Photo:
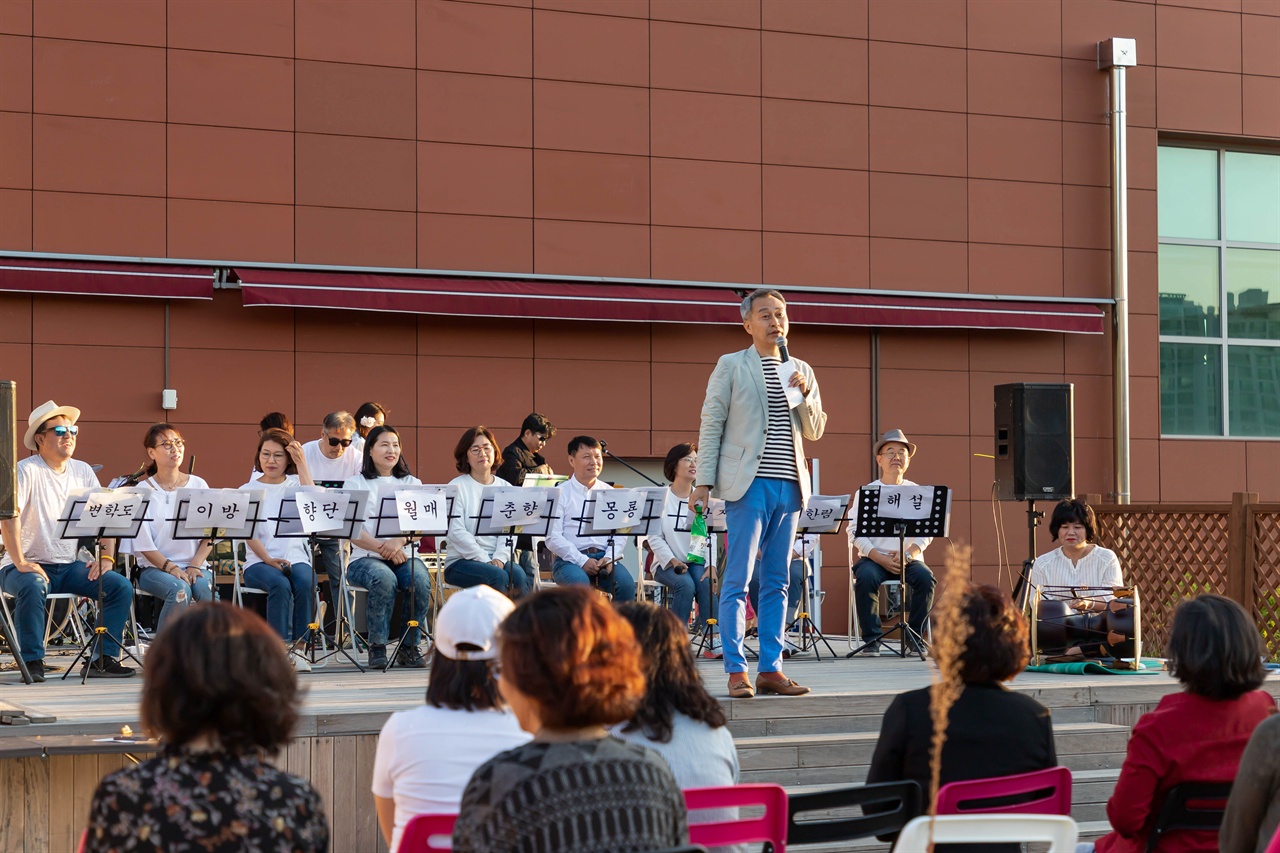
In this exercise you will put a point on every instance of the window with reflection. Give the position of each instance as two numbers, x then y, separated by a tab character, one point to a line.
1219	273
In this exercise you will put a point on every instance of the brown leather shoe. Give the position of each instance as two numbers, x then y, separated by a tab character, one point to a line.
776	682
739	686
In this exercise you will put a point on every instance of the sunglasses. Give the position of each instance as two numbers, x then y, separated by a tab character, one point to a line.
63	431
334	442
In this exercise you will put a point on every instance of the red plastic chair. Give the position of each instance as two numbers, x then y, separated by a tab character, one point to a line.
1274	846
416	837
959	797
770	827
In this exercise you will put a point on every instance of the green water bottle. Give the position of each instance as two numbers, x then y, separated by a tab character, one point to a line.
697	538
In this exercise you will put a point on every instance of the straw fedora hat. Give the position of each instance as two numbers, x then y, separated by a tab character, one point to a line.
894	435
44	412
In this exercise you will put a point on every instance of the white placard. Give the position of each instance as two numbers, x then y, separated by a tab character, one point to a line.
717	515
321	510
785	371
515	507
907	502
822	513
617	509
110	510
423	510
216	509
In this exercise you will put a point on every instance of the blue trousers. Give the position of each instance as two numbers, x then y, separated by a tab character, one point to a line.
467	573
763	520
166	587
288	598
795	588
868	575
382	580
684	589
619	582
30	590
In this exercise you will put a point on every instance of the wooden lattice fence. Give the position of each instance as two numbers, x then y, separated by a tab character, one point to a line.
1176	551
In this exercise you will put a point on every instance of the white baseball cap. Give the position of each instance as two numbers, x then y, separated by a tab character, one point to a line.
472	616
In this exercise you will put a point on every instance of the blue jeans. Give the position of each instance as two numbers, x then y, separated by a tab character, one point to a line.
382	580
795	588
684	588
868	575
30	590
166	587
466	573
763	520
285	596
619	582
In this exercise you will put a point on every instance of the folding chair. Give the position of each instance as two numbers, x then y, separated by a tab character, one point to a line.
900	801
770	828
1190	806
421	832
1058	830
1040	792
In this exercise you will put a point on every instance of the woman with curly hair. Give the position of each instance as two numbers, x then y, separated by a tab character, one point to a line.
220	695
570	667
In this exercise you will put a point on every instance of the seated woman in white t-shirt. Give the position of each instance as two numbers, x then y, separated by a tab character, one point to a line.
427	754
671	565
472	559
368	416
382	566
1078	561
173	570
282	566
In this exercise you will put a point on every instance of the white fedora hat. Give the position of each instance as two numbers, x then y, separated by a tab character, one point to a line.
44	412
891	436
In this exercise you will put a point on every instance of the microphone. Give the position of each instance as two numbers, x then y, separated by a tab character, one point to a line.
604	445
782	349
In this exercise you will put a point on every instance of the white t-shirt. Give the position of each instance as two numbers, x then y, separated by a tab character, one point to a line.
376	487
426	757
156	534
464	544
42	493
325	469
292	549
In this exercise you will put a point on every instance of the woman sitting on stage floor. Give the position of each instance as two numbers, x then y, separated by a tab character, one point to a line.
220	696
169	568
427	754
570	667
1079	561
1197	735
472	559
382	565
991	730
283	565
671	565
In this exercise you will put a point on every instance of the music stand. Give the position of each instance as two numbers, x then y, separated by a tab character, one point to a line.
387	525
248	529
71	526
815	518
289	526
933	519
706	640
489	520
626	528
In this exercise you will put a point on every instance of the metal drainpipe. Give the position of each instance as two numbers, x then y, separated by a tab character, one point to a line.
1114	55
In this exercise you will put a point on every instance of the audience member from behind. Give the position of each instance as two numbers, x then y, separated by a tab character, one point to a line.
368	416
991	730
677	717
1253	812
473	559
1197	735
220	695
427	754
570	667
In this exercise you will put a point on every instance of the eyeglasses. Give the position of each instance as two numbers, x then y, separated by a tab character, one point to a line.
173	444
482	450
692	460
541	437
894	454
334	442
63	431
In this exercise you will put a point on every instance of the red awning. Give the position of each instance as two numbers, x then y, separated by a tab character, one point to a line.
551	299
100	278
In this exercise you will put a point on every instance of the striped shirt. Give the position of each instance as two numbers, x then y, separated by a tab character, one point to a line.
779	458
1099	568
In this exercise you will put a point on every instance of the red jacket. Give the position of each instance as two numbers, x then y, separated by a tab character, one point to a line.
1187	738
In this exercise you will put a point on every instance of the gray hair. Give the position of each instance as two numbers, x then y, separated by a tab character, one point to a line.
759	293
339	420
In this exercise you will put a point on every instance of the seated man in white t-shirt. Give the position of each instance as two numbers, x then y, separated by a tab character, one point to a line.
37	562
332	461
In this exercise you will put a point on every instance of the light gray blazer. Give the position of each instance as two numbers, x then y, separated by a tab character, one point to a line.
735	421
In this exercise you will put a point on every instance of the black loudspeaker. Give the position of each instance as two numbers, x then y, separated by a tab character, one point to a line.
8	448
1035	432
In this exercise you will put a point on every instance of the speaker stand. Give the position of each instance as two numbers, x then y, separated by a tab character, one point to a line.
1022	588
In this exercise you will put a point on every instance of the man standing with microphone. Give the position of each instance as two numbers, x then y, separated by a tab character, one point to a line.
760	404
